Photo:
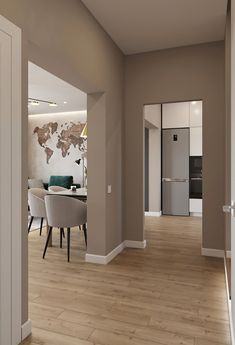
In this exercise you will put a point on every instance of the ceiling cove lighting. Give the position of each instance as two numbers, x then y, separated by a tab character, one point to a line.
35	101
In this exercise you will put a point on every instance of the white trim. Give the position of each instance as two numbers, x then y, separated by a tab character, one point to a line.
195	214
26	329
231	323
105	259
153	214
135	244
10	185
217	253
229	303
229	254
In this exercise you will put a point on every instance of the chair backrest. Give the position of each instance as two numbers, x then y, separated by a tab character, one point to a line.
36	202
62	181
56	189
65	212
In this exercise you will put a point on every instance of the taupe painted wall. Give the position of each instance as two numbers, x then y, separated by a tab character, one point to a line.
181	74
152	116
64	38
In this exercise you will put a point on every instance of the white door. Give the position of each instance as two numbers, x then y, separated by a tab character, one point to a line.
10	183
233	161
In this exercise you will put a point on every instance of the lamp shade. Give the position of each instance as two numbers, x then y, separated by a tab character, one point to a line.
84	131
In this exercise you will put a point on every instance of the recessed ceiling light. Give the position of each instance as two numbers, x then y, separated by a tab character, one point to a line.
194	102
65	102
52	104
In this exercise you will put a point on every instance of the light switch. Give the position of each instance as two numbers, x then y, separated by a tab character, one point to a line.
109	189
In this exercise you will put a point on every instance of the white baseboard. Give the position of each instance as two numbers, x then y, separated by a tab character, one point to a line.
153	214
231	323
195	214
105	259
135	244
217	253
229	304
26	329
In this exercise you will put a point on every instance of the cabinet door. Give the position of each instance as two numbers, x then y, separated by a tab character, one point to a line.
195	205
175	115
196	114
196	141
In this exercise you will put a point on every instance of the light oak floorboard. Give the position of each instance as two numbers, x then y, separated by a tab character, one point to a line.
165	294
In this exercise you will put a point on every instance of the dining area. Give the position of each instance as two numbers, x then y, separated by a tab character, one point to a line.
59	211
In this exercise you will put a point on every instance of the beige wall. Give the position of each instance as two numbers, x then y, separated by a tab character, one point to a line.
181	74
64	38
152	116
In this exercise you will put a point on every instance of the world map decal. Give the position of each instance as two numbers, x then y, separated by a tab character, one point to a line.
66	135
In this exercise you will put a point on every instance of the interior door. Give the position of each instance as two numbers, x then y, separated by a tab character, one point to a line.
233	161
10	183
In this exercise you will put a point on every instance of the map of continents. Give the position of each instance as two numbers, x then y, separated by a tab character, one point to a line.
68	134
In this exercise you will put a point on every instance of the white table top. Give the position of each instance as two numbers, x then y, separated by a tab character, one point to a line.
80	192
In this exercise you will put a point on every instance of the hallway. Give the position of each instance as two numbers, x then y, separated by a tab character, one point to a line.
167	294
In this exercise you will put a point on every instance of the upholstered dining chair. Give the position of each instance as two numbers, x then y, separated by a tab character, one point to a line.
56	189
37	205
65	212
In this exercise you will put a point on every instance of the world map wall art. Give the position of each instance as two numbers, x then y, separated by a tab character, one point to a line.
66	135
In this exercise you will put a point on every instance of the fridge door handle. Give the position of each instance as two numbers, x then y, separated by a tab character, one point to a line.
167	179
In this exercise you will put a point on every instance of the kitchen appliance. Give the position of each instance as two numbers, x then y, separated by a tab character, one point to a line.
195	177
175	171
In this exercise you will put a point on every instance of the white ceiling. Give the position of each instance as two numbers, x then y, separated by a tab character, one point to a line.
45	86
145	25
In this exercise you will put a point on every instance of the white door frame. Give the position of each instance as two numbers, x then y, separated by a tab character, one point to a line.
10	183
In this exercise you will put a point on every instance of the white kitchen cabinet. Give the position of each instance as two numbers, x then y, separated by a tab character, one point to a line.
195	118
175	115
195	207
196	141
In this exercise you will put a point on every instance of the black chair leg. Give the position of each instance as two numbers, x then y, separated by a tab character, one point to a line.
41	224
30	223
63	232
85	233
68	243
61	237
47	241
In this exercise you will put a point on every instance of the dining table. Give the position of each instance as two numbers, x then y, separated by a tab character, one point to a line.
78	193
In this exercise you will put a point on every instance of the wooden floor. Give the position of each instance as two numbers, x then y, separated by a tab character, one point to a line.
166	294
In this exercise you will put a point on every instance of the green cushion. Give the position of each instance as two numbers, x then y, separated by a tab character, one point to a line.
62	181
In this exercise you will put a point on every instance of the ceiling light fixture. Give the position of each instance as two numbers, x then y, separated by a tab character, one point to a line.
35	101
194	102
65	102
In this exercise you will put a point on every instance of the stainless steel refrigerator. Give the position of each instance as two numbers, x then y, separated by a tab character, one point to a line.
175	171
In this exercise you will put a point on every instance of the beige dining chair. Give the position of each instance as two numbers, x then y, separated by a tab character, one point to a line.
65	212
56	189
37	205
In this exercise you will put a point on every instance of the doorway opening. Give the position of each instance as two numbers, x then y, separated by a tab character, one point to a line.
57	145
173	159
